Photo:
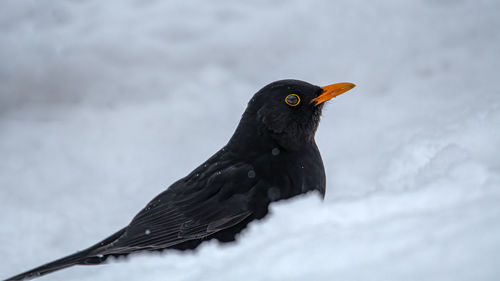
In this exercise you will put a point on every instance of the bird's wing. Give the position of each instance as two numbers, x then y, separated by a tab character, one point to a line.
193	208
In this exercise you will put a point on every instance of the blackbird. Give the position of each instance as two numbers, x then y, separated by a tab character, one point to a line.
271	156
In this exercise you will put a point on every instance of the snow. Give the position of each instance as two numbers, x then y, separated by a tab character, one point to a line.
104	104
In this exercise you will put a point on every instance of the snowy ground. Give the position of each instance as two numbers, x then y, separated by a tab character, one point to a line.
103	104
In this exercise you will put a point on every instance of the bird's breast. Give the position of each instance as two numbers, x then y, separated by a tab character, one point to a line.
290	173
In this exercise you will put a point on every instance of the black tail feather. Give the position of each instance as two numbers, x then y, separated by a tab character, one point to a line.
51	267
85	257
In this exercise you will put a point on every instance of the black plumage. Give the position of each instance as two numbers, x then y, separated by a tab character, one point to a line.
271	156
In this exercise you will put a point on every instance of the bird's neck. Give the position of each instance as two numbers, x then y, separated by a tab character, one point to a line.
249	137
254	136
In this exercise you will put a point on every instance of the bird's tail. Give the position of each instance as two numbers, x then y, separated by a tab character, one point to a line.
88	256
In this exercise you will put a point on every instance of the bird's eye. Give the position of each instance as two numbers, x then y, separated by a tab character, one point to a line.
292	100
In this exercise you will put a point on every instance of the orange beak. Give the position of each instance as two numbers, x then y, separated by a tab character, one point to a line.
332	91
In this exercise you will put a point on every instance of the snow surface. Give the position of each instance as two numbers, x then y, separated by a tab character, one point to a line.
103	104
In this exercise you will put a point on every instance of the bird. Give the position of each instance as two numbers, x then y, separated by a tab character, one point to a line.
271	156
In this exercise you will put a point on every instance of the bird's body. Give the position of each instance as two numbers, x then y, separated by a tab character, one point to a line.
271	156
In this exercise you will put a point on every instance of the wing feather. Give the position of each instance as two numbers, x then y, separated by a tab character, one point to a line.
188	211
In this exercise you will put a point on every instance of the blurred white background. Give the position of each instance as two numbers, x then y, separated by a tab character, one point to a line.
103	104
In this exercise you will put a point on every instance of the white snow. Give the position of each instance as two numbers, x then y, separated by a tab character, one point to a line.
103	104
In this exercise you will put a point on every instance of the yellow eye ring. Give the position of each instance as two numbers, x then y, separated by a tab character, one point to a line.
292	100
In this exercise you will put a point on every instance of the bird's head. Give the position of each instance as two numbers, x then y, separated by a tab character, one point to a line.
289	110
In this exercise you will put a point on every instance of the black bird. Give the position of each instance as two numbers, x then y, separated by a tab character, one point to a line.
271	156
